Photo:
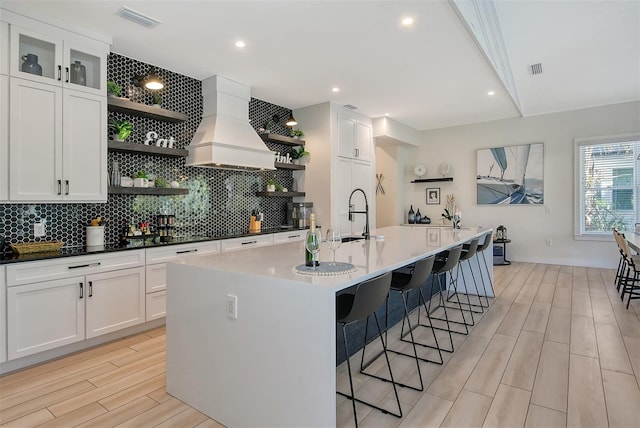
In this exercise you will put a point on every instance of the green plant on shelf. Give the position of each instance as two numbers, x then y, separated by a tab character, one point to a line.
297	133
140	174
298	152
120	128
162	183
279	187
156	98
113	88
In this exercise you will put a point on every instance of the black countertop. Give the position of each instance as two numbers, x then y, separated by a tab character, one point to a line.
134	244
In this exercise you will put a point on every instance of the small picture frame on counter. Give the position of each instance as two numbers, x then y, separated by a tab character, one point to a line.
433	196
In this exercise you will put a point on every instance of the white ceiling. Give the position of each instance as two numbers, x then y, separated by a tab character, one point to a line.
429	76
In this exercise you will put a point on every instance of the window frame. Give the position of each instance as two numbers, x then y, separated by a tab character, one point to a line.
578	216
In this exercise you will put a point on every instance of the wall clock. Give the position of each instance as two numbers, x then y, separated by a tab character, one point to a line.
419	170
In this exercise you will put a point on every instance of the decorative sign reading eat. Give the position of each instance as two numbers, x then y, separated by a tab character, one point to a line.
160	142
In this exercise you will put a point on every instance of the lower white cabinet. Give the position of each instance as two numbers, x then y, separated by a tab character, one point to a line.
235	244
57	302
45	315
291	236
3	317
156	272
115	300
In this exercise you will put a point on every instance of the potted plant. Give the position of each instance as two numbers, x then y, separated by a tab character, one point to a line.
120	129
140	179
299	155
162	183
271	185
297	133
279	188
265	127
113	89
156	99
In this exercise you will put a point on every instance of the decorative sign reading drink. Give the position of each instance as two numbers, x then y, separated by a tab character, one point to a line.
160	142
283	158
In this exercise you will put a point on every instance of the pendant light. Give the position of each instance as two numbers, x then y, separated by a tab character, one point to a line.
291	121
150	81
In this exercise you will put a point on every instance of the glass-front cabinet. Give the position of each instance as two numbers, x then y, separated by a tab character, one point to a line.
46	58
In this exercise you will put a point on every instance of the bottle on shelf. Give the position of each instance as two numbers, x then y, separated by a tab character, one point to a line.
115	174
308	255
418	217
412	216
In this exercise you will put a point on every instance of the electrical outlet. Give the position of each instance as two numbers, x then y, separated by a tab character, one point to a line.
232	306
38	229
549	242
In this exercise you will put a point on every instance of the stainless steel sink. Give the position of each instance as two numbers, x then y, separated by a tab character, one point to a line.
351	238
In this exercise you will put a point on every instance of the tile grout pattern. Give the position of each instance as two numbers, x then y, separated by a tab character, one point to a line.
542	356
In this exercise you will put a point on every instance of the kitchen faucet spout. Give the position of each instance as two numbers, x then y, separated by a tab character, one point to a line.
366	233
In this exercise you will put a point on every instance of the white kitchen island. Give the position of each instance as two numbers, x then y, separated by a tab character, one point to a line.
275	364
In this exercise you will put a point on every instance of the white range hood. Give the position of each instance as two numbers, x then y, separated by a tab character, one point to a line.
225	139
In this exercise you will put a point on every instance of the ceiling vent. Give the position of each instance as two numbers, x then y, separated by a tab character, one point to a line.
350	107
535	69
137	17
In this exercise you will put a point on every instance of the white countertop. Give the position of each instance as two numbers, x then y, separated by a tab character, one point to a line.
402	245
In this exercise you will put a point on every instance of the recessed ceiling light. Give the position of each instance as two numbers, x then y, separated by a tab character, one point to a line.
386	114
491	93
240	44
335	89
407	21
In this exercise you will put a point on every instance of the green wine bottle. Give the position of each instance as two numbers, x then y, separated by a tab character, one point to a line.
308	255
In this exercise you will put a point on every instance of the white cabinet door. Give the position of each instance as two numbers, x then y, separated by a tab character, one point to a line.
236	244
115	300
35	144
291	236
364	142
84	151
156	305
346	136
343	190
4	48
4	137
45	315
3	317
38	54
85	68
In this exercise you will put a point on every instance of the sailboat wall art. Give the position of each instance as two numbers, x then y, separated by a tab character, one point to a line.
511	175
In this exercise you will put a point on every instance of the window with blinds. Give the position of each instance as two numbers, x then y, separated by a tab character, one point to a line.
609	177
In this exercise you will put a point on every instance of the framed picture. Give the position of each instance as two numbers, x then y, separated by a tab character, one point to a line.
511	175
433	237
433	196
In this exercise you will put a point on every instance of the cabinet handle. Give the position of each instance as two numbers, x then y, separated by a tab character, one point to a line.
59	72
357	153
81	290
195	250
293	236
59	187
249	242
84	266
66	183
90	288
67	73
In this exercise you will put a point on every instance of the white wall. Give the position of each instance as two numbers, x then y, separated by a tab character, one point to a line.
528	226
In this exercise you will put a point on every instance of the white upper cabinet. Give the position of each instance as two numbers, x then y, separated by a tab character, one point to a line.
4	137
355	139
57	145
47	58
4	48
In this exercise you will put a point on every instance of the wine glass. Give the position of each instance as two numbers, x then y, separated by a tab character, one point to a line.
334	238
313	244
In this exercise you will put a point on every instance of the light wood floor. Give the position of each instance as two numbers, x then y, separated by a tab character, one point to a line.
557	348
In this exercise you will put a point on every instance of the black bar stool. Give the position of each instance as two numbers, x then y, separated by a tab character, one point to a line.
486	244
404	283
368	296
622	263
444	263
469	250
630	280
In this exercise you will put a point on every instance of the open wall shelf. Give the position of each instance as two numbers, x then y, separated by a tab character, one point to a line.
433	180
123	105
289	166
158	191
116	146
281	139
286	194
